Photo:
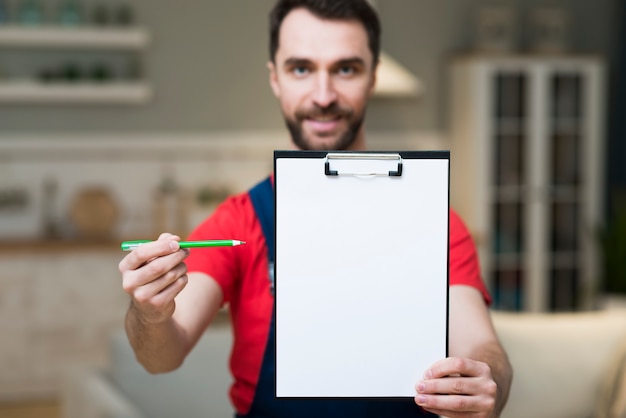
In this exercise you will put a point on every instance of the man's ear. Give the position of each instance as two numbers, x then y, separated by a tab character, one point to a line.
273	78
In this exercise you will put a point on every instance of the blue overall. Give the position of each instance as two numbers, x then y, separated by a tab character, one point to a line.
265	404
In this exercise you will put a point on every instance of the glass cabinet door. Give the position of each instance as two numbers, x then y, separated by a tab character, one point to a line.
565	136
528	145
557	192
509	140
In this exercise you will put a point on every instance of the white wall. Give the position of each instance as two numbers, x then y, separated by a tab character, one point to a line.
132	168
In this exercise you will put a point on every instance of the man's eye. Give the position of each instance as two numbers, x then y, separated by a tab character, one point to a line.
346	71
300	71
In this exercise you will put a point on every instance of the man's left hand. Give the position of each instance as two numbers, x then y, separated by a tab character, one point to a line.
458	387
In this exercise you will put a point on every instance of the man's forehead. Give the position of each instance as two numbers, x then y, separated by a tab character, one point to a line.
306	36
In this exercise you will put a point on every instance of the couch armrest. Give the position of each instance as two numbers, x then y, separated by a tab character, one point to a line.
91	394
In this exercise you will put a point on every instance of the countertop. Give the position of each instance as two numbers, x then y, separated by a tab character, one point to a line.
58	245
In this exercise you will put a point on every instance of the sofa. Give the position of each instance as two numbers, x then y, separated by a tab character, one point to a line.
569	365
199	388
565	365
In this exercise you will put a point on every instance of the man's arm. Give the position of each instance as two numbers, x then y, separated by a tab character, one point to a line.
476	378
169	309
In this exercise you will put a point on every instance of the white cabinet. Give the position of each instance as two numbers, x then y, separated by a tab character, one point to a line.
17	90
58	309
527	144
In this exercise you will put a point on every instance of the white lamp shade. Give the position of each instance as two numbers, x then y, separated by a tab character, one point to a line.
393	80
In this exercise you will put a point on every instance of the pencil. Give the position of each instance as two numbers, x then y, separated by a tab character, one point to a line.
131	245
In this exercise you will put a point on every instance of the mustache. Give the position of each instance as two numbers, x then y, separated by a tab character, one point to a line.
316	111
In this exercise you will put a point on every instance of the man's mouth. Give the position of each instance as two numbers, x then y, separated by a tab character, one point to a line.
324	118
323	123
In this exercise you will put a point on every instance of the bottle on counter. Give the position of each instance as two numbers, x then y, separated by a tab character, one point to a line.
30	13
72	72
70	13
100	72
124	15
48	206
101	15
4	13
171	208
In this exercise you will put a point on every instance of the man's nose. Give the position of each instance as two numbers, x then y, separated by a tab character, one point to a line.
324	93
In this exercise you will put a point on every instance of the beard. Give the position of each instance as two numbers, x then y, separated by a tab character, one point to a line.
336	141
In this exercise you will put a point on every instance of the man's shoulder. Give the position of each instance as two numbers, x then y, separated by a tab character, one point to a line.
456	223
237	202
240	204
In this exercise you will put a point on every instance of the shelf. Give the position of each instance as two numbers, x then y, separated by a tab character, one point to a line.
564	193
509	194
565	260
507	261
509	125
15	36
30	92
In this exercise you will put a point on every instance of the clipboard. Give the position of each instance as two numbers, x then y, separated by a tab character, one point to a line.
361	271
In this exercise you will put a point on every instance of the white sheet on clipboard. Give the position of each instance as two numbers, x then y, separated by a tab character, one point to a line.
361	276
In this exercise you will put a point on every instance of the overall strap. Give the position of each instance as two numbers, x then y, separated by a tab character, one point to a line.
262	196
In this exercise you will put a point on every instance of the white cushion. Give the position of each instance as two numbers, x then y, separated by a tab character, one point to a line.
559	360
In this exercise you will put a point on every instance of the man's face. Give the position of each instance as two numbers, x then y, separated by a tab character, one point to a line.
323	75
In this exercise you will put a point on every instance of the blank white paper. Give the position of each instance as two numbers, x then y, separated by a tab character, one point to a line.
361	277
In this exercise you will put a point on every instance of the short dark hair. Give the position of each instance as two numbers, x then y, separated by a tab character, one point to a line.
328	9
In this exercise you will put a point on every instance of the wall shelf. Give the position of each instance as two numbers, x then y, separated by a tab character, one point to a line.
114	92
15	36
87	38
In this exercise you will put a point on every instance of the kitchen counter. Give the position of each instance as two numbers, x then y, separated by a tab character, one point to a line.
58	245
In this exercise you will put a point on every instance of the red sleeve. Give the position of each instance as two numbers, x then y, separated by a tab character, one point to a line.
464	266
229	221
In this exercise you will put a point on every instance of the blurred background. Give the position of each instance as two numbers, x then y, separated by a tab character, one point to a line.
120	119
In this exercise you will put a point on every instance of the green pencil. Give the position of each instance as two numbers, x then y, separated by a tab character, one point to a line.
131	245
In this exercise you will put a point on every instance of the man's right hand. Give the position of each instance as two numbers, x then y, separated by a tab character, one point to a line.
153	274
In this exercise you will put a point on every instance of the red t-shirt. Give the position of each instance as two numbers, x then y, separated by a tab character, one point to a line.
242	273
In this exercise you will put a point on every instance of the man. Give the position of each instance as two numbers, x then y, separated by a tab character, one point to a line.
322	71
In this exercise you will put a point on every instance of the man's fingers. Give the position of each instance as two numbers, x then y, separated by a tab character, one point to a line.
172	290
153	270
458	405
451	386
162	304
146	252
457	387
144	293
153	274
167	235
152	267
455	366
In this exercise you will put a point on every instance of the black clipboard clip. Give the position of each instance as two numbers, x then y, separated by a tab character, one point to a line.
363	156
